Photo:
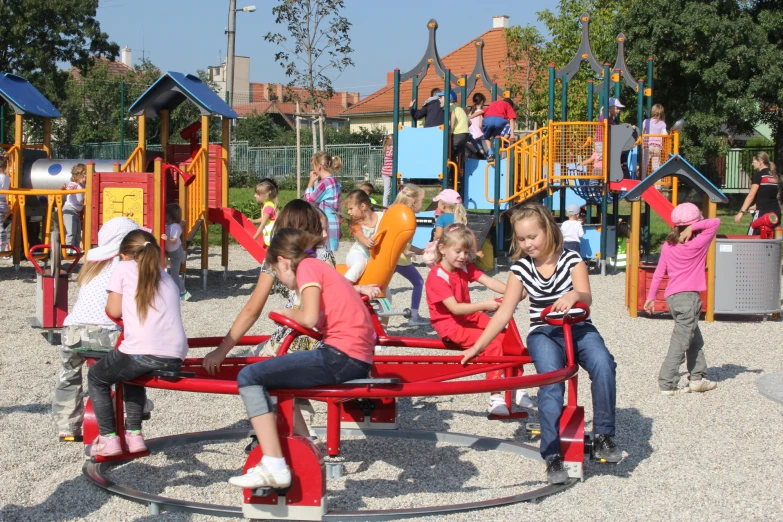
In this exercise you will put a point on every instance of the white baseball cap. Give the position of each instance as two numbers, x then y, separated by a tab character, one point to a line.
573	209
110	236
614	102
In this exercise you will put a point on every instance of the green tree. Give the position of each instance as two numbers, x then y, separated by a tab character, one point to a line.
317	43
257	129
704	64
527	65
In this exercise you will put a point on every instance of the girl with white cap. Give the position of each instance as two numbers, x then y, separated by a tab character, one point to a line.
87	327
683	258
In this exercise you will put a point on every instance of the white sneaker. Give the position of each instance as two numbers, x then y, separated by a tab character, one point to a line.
262	477
523	400
702	385
497	405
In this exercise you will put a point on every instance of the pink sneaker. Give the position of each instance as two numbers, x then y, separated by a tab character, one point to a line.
135	442
104	446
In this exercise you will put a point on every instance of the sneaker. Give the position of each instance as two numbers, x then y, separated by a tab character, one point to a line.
497	405
555	470
416	320
523	400
104	446
678	391
490	158
702	385
67	436
605	450
184	297
262	477
135	442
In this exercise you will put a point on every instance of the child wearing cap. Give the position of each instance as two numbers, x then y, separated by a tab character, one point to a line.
683	258
450	210
572	229
87	327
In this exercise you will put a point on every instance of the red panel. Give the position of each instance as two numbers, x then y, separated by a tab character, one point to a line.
572	434
646	272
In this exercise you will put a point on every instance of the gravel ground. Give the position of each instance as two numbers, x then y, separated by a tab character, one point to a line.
705	456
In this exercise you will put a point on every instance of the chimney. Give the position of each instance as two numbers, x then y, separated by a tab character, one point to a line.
265	87
126	56
344	96
500	22
279	91
355	96
389	78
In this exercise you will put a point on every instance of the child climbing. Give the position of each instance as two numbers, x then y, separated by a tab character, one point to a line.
453	316
266	196
683	258
364	225
87	327
324	190
497	115
173	247
476	117
572	229
147	300
557	277
412	196
74	205
346	352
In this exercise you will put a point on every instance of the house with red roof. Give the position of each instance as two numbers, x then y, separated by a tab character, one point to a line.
376	110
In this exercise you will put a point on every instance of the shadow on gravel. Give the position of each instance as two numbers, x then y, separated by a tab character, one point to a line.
66	503
729	371
634	432
217	288
36	408
26	273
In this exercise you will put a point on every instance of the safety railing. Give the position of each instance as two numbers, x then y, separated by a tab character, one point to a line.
184	183
135	162
17	207
194	202
656	149
13	158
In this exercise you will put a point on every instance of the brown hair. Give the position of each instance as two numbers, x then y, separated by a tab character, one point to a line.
357	198
142	248
173	213
78	171
408	195
763	157
456	234
301	215
3	161
292	244
324	160
674	234
657	112
544	219
267	186
90	270
367	185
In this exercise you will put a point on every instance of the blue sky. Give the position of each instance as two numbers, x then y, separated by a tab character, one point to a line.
186	35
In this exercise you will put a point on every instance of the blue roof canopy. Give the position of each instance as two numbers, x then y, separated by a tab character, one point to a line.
173	88
24	98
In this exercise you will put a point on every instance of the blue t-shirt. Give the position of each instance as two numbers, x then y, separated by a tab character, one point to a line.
444	220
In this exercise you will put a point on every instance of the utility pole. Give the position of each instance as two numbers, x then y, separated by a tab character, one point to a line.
232	19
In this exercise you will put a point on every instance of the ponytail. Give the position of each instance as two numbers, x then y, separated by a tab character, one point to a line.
142	248
292	244
460	214
326	161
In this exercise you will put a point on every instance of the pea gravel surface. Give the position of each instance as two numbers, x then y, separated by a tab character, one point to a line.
699	456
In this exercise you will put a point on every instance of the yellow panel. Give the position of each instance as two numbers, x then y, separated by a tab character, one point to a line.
128	202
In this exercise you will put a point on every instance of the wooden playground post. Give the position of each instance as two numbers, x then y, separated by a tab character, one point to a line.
16	175
204	199
157	201
142	141
675	150
633	254
47	137
710	210
225	154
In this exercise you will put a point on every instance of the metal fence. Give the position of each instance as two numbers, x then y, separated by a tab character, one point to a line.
734	171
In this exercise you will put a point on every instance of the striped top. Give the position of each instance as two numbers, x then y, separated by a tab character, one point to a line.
545	291
326	196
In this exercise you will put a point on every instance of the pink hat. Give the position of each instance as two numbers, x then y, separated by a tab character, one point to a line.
449	196
685	214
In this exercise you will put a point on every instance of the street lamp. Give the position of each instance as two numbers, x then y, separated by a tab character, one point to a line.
232	18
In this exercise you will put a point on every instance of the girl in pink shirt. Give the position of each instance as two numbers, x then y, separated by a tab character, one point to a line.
346	353
683	258
147	300
656	126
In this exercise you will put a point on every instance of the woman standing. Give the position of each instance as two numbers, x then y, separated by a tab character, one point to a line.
324	191
764	191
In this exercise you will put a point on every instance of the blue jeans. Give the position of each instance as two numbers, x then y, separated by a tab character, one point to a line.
492	126
547	349
326	365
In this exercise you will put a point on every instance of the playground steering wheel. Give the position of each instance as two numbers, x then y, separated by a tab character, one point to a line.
293	325
577	314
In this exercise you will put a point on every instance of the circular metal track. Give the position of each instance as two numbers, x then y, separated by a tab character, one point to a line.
95	472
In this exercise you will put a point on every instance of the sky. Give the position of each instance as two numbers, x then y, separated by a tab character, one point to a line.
187	35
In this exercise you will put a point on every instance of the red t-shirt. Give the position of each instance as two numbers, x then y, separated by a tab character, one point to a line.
501	109
344	320
442	284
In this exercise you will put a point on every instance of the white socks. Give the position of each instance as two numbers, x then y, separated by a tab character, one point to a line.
274	463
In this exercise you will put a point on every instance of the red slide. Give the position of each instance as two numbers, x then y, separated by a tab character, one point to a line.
657	201
241	229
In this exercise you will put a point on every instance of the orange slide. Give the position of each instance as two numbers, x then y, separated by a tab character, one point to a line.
394	233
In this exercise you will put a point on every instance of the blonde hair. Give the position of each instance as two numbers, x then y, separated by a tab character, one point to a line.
78	171
357	198
173	213
142	248
544	219
657	112
409	194
268	187
90	270
292	244
763	157
460	214
324	160
455	235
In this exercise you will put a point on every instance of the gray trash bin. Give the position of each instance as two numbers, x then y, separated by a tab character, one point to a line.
747	276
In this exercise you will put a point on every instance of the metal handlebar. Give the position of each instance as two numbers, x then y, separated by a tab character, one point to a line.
293	325
577	314
49	245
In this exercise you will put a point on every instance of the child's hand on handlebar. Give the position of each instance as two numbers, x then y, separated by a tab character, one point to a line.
470	353
212	362
565	303
490	305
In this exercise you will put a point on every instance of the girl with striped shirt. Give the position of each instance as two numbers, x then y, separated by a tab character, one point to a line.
553	276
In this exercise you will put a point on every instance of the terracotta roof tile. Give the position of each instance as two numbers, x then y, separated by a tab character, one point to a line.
460	61
115	68
271	98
